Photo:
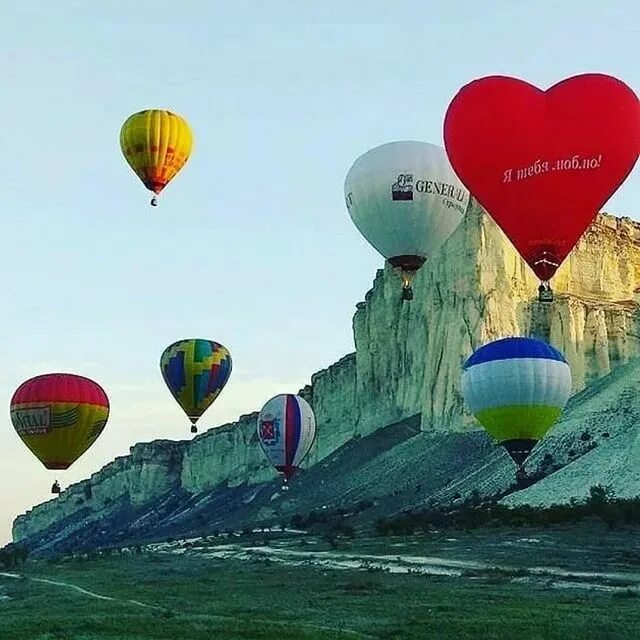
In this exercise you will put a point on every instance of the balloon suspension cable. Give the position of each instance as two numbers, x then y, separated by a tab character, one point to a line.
521	474
545	294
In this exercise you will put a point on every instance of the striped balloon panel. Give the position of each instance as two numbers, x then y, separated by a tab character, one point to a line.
286	431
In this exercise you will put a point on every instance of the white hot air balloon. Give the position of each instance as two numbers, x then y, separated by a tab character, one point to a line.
286	430
406	200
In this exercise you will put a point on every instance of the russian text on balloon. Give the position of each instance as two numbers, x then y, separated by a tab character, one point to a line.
575	163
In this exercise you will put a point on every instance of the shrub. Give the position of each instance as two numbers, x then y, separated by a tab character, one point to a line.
601	504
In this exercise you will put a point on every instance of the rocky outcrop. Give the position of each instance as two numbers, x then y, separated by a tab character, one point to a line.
406	365
150	469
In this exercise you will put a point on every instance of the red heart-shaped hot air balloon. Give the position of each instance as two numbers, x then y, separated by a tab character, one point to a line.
543	163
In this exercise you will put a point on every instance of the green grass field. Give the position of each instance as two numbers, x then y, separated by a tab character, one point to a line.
200	598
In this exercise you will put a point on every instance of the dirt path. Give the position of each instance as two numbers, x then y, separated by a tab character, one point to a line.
426	565
91	594
85	592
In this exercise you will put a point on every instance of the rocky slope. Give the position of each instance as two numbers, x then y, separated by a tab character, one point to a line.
598	440
392	410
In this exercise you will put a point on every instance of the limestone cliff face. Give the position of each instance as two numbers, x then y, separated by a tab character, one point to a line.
332	395
477	289
230	454
151	469
407	359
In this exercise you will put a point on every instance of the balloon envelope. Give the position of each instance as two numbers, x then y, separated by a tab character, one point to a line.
286	430
516	388
405	199
195	370
59	416
156	144
543	163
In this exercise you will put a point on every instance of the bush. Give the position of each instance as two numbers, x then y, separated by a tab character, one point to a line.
347	531
601	504
599	495
383	527
332	538
12	555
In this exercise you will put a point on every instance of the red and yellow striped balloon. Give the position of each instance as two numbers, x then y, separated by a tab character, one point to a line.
59	416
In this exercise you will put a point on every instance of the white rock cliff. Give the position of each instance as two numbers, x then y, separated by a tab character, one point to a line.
407	359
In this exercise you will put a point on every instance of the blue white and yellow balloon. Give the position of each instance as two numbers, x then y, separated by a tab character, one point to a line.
516	388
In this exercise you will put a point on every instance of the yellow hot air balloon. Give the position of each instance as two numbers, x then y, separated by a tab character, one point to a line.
59	416
156	144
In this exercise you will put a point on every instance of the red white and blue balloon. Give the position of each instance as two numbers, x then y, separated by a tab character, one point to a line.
286	430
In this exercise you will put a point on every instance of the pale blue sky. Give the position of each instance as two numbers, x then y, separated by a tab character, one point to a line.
251	244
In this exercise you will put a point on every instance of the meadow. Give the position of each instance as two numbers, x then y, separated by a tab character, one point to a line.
189	591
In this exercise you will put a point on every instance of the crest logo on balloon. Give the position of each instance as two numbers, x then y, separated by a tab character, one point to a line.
269	431
402	188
